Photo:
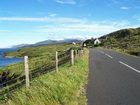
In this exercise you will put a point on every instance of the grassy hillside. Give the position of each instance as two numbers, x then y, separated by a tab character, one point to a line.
127	40
41	60
62	88
38	56
39	51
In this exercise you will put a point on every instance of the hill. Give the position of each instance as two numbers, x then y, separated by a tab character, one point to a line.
20	45
57	42
43	54
127	40
48	42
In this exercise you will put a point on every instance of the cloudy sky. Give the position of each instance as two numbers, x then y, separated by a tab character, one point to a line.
30	21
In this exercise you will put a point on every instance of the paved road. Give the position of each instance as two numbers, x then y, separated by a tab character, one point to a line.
114	78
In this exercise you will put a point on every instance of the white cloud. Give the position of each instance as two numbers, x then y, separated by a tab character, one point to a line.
124	8
65	27
94	28
66	1
42	19
66	36
79	37
88	28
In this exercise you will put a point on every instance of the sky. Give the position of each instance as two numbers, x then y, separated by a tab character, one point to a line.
31	21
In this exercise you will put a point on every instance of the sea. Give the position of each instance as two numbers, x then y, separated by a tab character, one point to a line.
7	61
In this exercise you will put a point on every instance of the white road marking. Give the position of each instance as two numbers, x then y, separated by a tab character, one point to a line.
109	56
129	66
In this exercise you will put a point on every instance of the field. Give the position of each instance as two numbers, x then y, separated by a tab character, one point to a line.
41	60
62	88
38	56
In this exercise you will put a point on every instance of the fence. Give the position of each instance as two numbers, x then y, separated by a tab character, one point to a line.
61	57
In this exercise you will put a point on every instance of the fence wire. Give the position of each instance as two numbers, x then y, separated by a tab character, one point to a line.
40	67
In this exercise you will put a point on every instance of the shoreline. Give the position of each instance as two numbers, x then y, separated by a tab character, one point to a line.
9	57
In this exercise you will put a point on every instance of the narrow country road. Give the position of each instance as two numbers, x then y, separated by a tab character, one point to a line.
114	78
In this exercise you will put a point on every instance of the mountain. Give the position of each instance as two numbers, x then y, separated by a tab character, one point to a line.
56	42
47	42
126	39
20	45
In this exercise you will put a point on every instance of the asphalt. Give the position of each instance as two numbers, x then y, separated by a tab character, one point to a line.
114	78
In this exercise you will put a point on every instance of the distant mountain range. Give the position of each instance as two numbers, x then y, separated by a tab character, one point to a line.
47	42
20	45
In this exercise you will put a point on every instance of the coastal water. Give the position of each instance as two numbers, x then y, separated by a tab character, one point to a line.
7	61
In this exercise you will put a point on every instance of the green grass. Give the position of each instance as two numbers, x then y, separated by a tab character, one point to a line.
125	40
62	88
122	51
38	56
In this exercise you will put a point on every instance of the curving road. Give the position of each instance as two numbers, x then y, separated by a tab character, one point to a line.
114	78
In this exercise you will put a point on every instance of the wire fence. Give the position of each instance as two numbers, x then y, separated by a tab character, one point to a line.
36	68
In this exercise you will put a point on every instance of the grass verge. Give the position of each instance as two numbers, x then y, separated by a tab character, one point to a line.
121	51
62	88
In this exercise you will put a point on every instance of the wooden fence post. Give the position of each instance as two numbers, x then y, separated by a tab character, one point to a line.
26	65
72	57
56	58
79	53
82	51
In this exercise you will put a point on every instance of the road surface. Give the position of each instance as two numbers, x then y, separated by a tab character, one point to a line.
114	78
